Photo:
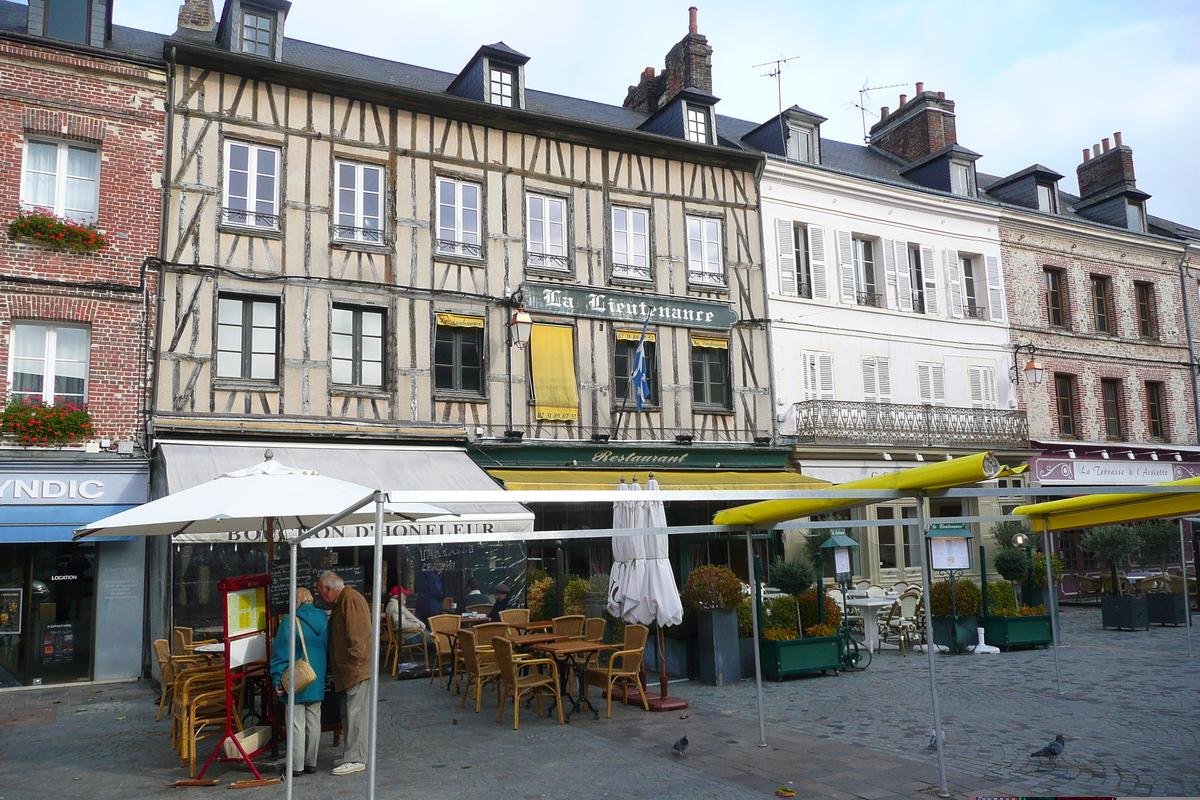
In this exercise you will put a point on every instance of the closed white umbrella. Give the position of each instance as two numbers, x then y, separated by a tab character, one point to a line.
627	577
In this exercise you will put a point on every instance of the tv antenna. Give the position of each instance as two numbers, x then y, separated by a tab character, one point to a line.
861	104
776	73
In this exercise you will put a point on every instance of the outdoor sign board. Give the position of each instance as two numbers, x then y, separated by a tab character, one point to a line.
627	307
948	545
10	609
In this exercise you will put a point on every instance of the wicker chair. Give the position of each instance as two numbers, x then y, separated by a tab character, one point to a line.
895	628
481	608
479	666
623	667
389	643
515	616
444	657
169	665
532	677
570	625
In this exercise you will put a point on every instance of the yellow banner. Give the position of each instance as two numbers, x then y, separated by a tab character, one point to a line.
552	357
459	321
710	343
634	336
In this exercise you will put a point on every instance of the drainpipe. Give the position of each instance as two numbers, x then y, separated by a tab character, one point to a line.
1187	321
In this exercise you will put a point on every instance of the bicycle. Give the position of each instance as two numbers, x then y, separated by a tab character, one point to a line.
855	653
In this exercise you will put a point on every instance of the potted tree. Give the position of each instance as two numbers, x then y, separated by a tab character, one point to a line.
1158	541
1114	544
954	613
714	593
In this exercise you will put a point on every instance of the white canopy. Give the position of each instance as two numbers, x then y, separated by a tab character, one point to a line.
642	586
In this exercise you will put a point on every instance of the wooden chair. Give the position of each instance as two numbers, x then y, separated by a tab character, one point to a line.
528	677
480	667
1089	585
389	644
444	656
623	667
515	616
593	629
895	628
182	642
409	649
570	625
481	608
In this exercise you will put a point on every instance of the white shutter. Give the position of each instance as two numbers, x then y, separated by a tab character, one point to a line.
883	379
925	383
954	295
983	387
785	236
825	375
975	378
938	373
808	366
845	252
995	288
891	296
929	275
816	262
870	384
903	277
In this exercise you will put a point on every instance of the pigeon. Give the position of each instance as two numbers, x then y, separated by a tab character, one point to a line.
680	745
1052	750
933	738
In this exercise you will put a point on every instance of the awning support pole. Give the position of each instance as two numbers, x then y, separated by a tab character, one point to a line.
930	649
762	725
376	619
1187	601
1051	597
291	696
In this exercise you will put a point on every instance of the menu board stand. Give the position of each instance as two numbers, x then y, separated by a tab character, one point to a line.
247	656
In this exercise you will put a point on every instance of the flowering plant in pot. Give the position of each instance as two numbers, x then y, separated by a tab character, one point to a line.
715	592
62	234
36	424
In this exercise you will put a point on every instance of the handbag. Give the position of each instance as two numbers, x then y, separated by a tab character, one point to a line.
304	674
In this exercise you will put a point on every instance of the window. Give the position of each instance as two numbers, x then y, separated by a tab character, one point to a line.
251	185
706	263
864	274
49	363
1156	410
256	33
1101	306
247	338
500	87
458	354
458	218
710	373
546	237
1110	391
817	369
359	202
931	383
62	178
356	347
1135	216
1046	200
801	259
982	382
887	538
799	144
972	307
916	277
67	20
877	379
697	124
631	243
1146	312
960	180
1064	403
1055	305
623	361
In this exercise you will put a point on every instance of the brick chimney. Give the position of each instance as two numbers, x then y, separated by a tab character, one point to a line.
921	125
197	15
688	64
1106	168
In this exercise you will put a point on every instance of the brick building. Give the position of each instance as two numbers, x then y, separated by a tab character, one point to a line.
82	123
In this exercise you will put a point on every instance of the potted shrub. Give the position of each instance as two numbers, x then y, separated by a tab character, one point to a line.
1039	596
785	652
714	593
1158	541
954	615
1007	625
1114	544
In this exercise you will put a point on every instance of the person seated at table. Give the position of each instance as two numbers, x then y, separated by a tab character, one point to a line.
305	735
474	596
413	630
501	604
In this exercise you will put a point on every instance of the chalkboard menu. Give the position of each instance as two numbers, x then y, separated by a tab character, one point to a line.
306	576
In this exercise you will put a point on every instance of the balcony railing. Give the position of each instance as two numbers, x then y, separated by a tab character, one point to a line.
892	424
973	312
872	299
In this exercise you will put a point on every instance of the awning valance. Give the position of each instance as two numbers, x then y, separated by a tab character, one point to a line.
969	469
544	479
1106	509
552	356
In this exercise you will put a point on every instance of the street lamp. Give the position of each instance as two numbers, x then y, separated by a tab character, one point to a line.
520	327
950	552
840	544
1035	373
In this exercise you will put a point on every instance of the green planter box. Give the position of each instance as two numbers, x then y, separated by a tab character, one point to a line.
796	656
1124	612
1006	632
1164	608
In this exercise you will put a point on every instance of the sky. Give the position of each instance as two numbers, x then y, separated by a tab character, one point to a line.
1034	81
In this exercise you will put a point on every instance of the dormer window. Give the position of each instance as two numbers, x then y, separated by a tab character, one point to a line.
494	75
257	30
500	87
1045	198
1135	212
962	180
799	144
697	124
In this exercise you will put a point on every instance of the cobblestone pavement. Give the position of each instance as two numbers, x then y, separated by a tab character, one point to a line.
1129	711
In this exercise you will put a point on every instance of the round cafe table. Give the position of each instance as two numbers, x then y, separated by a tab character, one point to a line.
870	609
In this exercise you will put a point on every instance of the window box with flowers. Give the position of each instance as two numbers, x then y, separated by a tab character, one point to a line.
35	424
44	227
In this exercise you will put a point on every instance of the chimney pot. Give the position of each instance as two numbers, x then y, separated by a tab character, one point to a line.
692	27
920	87
883	112
941	95
1117	138
1095	150
1087	155
903	99
648	72
1104	144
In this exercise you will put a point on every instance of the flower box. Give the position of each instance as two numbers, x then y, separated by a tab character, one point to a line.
1123	612
1164	608
720	661
1004	632
39	225
781	658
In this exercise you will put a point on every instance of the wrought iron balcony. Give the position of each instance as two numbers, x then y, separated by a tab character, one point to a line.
892	425
973	312
872	299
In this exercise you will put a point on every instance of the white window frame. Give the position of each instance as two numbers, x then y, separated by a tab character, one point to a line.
1046	200
542	252
502	92
1135	216
61	177
352	224
797	136
257	335
696	125
974	301
861	284
817	375
49	360
631	259
877	379
250	45
931	383
465	239
253	215
962	181
982	385
364	337
706	251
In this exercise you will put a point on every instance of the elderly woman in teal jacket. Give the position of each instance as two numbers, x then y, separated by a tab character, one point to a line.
306	729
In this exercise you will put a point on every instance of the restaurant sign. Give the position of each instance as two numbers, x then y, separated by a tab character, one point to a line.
626	307
498	456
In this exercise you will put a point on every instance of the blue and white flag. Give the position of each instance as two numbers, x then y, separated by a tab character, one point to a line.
641	381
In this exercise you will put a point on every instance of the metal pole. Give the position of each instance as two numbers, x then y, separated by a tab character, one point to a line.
376	614
291	705
1187	602
762	725
927	580
1051	597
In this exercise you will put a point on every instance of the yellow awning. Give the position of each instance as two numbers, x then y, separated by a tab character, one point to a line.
552	355
1107	509
550	479
459	321
968	469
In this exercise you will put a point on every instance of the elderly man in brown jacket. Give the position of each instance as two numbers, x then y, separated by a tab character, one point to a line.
350	663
